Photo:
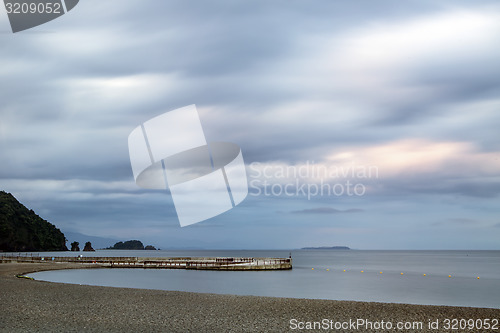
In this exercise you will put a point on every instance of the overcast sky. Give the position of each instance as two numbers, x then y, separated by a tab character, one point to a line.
401	99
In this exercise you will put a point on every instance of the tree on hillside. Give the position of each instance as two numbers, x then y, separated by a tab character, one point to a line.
21	229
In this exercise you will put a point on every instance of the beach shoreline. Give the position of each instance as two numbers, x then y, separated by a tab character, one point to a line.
39	306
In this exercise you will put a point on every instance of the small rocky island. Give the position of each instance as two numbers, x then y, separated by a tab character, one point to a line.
327	248
131	245
75	246
88	247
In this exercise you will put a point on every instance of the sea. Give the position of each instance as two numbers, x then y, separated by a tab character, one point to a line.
454	278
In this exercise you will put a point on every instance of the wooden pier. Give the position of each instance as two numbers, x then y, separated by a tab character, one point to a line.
205	263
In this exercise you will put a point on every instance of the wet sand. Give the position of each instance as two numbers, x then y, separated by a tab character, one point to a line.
37	306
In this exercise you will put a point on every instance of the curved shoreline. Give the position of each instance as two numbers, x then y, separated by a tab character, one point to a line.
45	306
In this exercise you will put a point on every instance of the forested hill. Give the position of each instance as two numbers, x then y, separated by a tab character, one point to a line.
23	230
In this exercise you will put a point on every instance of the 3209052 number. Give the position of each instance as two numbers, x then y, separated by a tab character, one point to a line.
470	324
33	8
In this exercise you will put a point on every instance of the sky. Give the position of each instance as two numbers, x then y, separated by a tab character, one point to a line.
368	124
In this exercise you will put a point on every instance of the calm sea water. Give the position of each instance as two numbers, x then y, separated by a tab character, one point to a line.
327	280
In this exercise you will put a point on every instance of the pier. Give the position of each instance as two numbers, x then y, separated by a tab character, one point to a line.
199	263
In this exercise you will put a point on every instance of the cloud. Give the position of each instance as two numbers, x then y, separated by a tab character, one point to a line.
457	222
397	167
326	210
411	89
461	220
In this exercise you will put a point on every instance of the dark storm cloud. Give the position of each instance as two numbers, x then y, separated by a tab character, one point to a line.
461	83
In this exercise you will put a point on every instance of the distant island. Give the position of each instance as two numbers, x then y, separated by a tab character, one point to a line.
21	229
131	245
88	247
327	248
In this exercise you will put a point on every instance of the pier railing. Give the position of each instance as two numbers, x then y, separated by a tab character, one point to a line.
215	263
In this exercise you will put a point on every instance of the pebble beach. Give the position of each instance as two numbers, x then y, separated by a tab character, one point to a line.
37	306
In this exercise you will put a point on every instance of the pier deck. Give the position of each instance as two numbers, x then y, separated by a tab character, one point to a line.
206	263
